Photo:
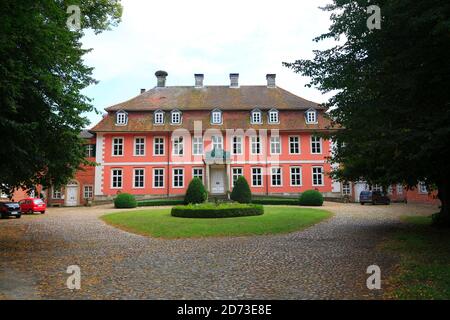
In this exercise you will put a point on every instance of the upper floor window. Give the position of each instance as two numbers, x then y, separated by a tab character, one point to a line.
311	116
255	144
117	146
121	118
159	117
316	145
274	116
256	116
175	117
275	145
89	150
158	146
178	146
217	142
237	145
294	145
139	146
197	145
216	116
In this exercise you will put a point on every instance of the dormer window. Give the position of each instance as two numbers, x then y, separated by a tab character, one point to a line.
311	116
159	117
256	116
175	117
274	116
216	116
121	118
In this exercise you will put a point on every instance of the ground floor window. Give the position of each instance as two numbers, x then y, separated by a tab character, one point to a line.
423	187
317	175
158	178
377	187
296	176
56	194
236	173
116	178
197	173
399	188
256	177
138	177
88	192
276	177
346	189
178	178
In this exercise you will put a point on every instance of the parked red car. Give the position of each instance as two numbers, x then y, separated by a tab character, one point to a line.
30	205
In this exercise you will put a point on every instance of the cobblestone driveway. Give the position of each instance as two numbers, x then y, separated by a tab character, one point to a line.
326	261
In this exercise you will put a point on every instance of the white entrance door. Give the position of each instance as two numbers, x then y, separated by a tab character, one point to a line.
217	181
72	195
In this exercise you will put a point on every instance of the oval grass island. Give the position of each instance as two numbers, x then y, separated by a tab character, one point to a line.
159	223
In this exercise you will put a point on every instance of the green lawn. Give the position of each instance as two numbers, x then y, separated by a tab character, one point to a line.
425	261
159	223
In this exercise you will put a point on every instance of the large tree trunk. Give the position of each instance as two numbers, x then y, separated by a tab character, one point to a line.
442	219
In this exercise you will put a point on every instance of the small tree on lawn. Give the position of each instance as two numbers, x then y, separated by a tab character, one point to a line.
241	191
196	192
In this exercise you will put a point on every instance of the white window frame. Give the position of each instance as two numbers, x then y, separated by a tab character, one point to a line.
89	150
235	175
156	119
197	145
300	173
261	174
56	194
154	178
272	175
312	143
399	188
121	118
112	178
176	113
311	116
256	117
176	142
298	143
163	145
276	113
255	141
196	175
421	186
217	113
141	143
216	142
134	178
89	192
113	145
273	143
238	145
345	186
177	175
322	175
377	187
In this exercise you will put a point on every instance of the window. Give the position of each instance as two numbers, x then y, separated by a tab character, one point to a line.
121	118
178	178
159	117
256	116
346	189
423	187
56	194
138	178
175	117
88	192
255	144
237	145
296	176
317	176
217	143
273	116
399	188
178	146
256	177
216	117
197	173
197	146
117	146
377	187
158	178
139	146
116	178
158	146
276	177
89	150
316	145
236	173
389	190
311	116
275	145
294	145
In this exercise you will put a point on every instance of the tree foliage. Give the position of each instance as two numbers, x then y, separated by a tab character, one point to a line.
241	191
195	192
392	85
42	74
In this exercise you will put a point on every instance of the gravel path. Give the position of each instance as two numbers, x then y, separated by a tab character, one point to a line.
326	261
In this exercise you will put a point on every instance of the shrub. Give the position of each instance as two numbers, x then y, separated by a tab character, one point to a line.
241	191
160	202
210	210
196	192
311	198
276	201
125	200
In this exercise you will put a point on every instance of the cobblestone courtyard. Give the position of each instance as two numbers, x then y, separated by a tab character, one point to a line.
326	261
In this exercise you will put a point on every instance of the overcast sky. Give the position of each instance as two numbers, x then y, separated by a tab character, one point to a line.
213	37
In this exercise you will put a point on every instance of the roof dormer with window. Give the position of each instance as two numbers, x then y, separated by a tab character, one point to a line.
256	116
121	118
273	116
158	117
216	116
311	116
176	117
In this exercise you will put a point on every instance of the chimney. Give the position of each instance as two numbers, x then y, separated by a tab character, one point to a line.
161	78
199	80
271	80
234	80
142	90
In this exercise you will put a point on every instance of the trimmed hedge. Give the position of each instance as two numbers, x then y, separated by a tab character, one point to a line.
125	200
311	198
276	201
160	202
196	192
209	210
241	191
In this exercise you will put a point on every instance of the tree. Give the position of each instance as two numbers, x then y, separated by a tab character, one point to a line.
241	191
392	101
41	77
195	192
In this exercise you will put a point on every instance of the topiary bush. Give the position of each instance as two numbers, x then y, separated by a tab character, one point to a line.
311	198
211	210
125	200
196	192
241	191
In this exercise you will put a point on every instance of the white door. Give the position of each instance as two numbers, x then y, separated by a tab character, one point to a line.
218	181
72	195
